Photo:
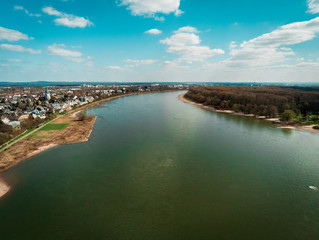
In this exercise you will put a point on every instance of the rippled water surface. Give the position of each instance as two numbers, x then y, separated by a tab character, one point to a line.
157	168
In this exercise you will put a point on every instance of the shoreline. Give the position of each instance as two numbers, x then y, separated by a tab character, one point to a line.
71	113
308	128
4	188
70	135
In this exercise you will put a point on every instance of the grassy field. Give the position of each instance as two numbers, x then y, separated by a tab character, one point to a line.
56	126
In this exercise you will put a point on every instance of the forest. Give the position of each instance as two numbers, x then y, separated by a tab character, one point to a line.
291	104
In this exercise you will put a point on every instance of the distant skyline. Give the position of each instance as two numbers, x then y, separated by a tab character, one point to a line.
159	40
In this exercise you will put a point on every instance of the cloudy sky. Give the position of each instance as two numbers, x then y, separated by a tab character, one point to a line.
159	40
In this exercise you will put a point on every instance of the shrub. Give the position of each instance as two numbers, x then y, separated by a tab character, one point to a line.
288	115
82	116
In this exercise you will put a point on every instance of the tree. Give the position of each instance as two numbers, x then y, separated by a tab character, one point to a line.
287	115
272	111
82	116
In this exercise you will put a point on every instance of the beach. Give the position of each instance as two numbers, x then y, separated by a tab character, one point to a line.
4	188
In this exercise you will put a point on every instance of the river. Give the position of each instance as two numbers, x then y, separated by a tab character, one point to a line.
157	168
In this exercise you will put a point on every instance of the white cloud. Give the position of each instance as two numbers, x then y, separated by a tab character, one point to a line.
174	66
311	65
136	63
12	35
182	39
289	34
313	6
161	19
14	60
132	64
151	7
60	50
20	8
186	43
18	48
285	49
68	20
247	57
51	11
154	31
187	29
270	48
178	12
89	64
232	45
115	67
73	22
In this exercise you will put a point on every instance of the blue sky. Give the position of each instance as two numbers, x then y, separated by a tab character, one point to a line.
159	40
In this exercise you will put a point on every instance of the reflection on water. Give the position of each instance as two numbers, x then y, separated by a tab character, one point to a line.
157	168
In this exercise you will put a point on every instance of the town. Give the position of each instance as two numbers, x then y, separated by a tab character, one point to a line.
25	108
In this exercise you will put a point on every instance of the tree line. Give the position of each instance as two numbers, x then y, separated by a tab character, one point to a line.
261	101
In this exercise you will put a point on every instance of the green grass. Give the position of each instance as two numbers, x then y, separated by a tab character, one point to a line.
52	126
26	132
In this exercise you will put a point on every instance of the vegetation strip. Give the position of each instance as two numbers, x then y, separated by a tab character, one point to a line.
55	126
293	105
309	128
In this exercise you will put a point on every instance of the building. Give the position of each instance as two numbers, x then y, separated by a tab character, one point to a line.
14	124
47	94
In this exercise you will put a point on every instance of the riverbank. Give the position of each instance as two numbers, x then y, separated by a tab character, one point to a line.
40	141
308	128
4	188
75	131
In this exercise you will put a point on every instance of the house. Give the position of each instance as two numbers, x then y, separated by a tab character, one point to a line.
23	117
90	99
38	114
5	119
14	124
83	100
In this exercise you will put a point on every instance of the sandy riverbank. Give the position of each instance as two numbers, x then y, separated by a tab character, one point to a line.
4	188
76	132
308	128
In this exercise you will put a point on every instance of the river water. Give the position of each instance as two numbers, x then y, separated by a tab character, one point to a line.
157	168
